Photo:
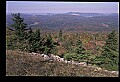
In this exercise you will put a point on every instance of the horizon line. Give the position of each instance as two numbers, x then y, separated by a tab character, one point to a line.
61	12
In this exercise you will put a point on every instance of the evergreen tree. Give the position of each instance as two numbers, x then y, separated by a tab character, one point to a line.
38	41
34	40
19	37
60	35
112	41
110	56
77	53
49	45
80	51
30	39
19	26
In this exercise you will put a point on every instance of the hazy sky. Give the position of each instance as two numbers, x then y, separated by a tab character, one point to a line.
61	7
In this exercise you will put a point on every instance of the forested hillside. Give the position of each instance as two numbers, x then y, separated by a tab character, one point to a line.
94	48
71	21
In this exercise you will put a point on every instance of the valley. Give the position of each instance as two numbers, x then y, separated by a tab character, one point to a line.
89	22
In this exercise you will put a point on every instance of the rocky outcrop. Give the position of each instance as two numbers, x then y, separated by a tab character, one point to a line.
52	57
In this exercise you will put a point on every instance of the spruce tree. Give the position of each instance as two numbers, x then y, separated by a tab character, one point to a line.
112	41
110	56
60	35
49	45
19	32
30	40
80	51
38	40
19	26
34	40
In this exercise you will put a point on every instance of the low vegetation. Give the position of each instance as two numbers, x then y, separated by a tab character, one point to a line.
23	64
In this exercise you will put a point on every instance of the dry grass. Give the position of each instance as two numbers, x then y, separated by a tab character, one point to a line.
23	64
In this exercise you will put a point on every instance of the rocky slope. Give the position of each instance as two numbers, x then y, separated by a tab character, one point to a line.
25	64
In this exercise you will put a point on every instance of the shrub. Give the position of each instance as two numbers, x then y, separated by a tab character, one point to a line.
71	56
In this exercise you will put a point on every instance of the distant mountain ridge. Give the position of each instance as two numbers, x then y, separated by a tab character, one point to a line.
87	14
71	21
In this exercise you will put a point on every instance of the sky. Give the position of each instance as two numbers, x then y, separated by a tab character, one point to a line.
61	7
